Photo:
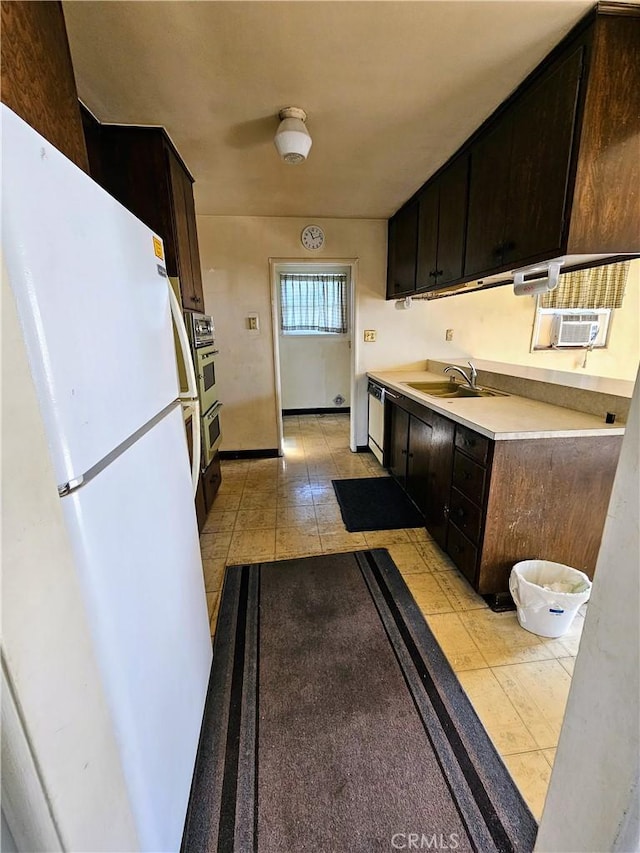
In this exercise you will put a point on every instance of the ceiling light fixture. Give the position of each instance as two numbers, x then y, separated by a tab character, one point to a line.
292	138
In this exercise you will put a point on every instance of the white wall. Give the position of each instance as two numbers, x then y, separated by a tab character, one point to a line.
235	254
592	803
47	650
493	324
496	325
314	370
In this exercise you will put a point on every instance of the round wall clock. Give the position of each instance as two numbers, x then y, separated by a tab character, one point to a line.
312	237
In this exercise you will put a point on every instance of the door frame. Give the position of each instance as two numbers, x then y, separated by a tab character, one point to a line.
278	265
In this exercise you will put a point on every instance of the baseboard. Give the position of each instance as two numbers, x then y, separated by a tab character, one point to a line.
328	411
267	453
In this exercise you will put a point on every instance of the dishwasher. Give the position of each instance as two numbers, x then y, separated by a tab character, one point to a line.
376	419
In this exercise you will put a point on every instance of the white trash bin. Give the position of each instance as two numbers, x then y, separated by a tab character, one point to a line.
547	595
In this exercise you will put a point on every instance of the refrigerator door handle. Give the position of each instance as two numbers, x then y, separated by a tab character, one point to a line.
190	399
192	407
181	329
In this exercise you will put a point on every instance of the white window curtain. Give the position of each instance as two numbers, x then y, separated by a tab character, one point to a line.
314	302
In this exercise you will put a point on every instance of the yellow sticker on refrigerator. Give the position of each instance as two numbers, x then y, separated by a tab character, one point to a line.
157	248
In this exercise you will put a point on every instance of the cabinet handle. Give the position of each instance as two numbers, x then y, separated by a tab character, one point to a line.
470	442
445	511
438	272
404	452
411	456
433	274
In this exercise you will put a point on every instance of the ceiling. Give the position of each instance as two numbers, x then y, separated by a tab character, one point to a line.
391	89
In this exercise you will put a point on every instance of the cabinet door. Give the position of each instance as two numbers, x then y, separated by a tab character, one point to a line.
542	144
133	169
442	432
403	244
194	252
399	436
452	221
181	230
418	460
211	478
488	187
427	252
37	75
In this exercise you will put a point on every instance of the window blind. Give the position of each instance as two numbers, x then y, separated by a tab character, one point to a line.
599	287
314	302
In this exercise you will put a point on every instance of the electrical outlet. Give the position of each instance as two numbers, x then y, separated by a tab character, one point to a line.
369	335
253	323
448	336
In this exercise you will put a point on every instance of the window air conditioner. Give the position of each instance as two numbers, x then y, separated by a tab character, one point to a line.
574	330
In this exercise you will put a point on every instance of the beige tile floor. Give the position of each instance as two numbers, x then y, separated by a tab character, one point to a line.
270	509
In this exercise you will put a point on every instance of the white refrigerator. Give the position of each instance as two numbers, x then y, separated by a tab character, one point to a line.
93	301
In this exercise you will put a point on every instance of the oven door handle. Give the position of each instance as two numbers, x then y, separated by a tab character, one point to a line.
212	413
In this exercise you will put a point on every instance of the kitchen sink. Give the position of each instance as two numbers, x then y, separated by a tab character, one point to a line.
452	390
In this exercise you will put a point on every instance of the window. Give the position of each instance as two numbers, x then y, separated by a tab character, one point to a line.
598	287
313	303
578	312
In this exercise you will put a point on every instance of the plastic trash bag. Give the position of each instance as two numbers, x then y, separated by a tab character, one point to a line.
547	595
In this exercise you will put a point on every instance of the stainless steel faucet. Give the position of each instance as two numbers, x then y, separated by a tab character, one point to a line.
469	378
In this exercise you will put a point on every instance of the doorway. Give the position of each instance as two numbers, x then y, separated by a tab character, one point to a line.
312	308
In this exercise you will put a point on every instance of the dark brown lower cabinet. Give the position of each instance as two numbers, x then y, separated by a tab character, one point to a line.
211	479
398	443
420	453
490	504
418	459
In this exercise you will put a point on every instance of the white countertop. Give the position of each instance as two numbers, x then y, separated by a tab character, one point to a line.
500	418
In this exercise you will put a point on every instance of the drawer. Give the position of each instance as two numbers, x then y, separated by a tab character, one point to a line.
466	516
472	443
468	477
462	552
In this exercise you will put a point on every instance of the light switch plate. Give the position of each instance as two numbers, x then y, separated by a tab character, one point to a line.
253	323
448	336
369	335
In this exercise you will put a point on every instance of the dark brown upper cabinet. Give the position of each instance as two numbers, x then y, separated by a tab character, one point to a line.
554	172
141	168
37	75
519	174
442	218
402	246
